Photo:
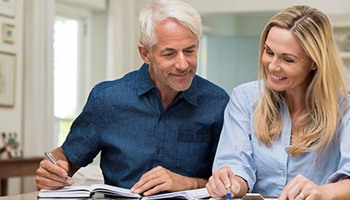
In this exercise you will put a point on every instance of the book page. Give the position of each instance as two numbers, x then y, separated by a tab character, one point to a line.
69	191
113	190
87	191
187	194
240	198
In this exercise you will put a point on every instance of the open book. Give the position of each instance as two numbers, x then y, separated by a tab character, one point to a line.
87	191
186	194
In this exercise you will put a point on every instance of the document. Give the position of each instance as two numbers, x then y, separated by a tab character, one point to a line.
186	194
87	191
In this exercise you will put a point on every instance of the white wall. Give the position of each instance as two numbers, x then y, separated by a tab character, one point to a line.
11	117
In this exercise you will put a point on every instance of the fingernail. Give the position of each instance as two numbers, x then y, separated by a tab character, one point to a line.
68	181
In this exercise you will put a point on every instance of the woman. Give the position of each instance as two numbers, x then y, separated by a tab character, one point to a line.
288	135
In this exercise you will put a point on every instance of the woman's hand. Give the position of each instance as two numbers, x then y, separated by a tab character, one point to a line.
223	179
300	188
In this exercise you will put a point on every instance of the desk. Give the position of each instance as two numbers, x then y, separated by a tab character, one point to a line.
17	167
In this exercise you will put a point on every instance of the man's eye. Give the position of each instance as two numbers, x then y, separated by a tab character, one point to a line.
169	54
189	52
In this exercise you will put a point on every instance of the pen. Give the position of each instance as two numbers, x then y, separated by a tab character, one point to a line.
53	160
228	193
50	157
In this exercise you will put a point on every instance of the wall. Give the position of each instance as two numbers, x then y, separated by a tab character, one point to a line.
232	60
229	6
11	117
230	47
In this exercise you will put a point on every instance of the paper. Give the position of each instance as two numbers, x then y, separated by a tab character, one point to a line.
187	194
87	191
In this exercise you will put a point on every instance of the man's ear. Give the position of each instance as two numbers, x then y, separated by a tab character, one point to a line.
144	53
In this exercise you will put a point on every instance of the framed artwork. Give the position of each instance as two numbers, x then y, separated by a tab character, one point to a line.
7	79
8	33
8	8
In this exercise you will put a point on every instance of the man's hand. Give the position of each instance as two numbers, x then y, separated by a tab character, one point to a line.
51	176
160	179
54	176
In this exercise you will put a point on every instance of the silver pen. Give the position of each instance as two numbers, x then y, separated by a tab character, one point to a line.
53	160
50	157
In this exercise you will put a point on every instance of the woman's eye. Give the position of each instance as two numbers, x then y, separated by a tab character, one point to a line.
269	52
288	60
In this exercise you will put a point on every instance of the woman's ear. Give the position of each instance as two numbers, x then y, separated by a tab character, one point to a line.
144	53
314	66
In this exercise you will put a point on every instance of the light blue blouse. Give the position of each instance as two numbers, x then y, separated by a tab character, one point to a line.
268	169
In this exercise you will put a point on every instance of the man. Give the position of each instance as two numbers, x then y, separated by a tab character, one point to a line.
157	128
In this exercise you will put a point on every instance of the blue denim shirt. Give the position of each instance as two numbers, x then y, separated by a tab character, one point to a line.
125	120
267	169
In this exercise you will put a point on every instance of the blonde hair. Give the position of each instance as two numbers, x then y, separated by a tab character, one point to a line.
327	84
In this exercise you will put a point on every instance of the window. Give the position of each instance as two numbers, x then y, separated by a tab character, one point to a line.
65	75
70	68
79	57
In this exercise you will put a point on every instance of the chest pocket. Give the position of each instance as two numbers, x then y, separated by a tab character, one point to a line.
198	134
192	151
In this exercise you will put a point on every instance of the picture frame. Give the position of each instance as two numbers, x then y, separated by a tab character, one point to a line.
7	79
8	8
8	33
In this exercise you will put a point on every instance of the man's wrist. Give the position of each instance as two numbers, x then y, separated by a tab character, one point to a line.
198	183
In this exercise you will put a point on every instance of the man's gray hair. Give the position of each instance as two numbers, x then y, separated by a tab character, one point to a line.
160	10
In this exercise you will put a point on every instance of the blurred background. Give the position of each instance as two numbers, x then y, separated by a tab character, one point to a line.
52	52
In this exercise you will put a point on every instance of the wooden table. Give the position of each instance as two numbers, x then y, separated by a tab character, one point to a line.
13	167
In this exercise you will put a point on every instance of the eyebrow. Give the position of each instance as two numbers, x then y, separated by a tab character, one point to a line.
284	54
172	49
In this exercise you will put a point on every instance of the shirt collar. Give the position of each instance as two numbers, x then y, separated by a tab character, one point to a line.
143	80
145	84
